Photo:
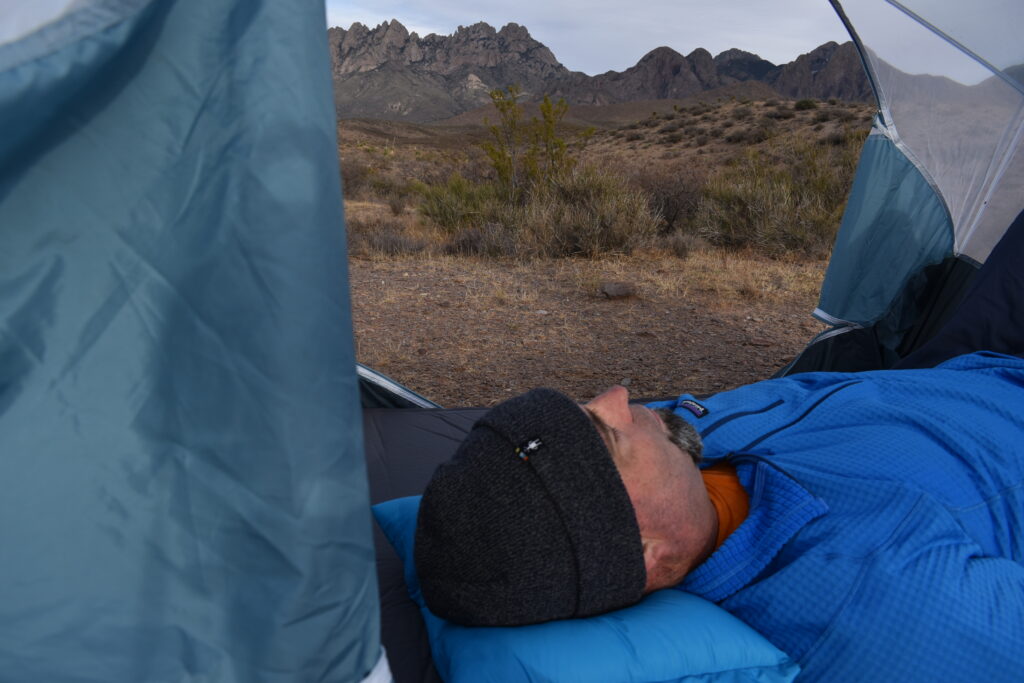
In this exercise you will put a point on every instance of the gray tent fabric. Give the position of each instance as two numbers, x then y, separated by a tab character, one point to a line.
940	180
183	493
403	448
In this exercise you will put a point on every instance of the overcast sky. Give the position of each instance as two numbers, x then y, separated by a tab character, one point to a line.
595	36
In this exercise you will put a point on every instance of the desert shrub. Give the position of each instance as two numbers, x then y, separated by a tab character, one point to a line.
845	115
805	105
771	103
673	192
456	203
673	138
785	201
523	153
780	113
355	178
750	136
669	128
681	244
843	138
383	186
582	213
702	140
832	101
742	113
822	116
736	136
632	137
396	202
587	213
489	239
381	237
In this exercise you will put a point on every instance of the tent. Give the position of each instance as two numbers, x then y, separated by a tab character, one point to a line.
939	182
184	489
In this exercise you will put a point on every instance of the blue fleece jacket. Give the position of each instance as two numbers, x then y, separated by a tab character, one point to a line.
885	540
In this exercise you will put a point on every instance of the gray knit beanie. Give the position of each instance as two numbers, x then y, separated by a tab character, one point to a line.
529	521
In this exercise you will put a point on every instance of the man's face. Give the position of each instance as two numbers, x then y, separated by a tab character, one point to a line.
671	503
634	432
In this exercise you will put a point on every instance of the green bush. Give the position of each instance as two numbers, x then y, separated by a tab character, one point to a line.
587	213
805	105
540	203
583	213
783	201
456	203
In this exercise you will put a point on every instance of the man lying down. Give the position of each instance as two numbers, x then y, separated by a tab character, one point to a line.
870	525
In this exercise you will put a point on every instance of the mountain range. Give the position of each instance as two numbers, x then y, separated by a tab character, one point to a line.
387	72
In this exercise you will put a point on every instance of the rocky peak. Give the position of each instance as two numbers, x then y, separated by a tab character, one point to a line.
661	55
513	31
829	70
704	68
388	71
737	65
478	46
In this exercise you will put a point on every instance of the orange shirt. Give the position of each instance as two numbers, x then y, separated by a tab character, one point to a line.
728	496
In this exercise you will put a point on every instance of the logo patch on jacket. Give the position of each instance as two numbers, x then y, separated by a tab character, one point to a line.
697	409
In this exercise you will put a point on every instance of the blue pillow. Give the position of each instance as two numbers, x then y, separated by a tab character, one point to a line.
668	636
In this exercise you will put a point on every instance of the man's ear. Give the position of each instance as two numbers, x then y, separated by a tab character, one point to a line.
655	556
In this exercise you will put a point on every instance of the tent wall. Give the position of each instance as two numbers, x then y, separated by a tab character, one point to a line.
940	180
893	227
182	488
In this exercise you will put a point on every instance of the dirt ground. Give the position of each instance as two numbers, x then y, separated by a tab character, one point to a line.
469	332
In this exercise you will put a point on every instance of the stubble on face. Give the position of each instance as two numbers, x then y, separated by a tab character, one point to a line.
682	434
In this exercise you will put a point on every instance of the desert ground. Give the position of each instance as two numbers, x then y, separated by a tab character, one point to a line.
468	330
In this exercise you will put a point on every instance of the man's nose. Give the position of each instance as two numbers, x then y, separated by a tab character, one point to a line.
612	405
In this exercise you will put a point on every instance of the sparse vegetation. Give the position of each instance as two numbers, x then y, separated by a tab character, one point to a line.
540	203
733	174
781	201
379	237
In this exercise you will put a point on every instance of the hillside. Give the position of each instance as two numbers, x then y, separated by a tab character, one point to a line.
388	72
701	133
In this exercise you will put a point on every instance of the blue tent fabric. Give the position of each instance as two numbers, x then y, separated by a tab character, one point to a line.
182	489
894	225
